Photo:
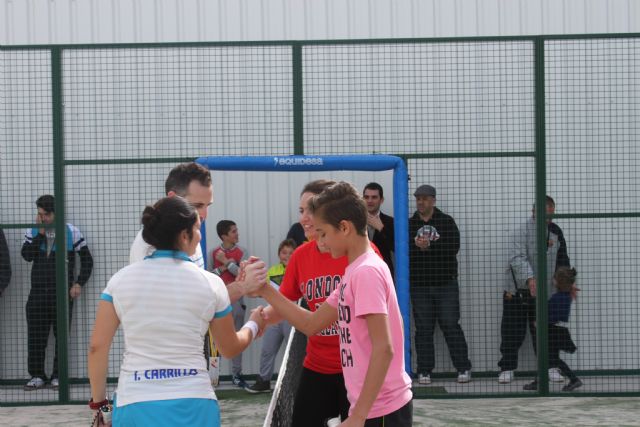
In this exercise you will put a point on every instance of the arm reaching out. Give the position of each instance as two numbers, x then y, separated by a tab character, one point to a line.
231	343
305	321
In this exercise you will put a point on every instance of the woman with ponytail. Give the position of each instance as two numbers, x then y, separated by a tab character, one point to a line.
165	304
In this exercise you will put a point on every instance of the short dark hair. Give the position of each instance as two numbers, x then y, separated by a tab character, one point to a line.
223	227
317	186
565	278
374	186
549	201
46	203
165	220
181	176
341	202
287	243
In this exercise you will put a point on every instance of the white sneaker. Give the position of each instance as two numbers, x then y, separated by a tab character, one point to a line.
505	377
424	379
555	375
464	377
55	383
34	384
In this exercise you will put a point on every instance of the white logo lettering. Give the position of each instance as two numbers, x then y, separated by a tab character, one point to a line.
297	161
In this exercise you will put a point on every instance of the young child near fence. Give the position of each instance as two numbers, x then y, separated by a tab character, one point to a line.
564	280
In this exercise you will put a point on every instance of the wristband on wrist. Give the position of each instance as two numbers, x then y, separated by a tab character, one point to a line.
253	326
97	405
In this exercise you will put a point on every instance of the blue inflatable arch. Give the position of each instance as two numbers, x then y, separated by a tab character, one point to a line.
347	163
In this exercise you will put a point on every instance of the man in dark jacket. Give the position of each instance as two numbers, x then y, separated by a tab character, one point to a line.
433	277
379	225
5	264
39	247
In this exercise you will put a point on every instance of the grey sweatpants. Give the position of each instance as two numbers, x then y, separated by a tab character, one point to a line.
238	311
271	341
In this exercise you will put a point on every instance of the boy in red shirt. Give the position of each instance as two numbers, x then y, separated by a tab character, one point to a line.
226	260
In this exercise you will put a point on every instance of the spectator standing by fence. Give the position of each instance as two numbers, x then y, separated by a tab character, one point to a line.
40	247
518	301
5	263
435	295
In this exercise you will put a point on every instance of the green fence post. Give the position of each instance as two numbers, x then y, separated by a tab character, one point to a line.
62	286
298	99
541	219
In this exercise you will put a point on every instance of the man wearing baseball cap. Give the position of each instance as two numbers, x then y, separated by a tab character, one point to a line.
433	267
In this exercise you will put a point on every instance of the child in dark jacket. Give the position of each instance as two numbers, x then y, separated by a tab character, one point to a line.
564	280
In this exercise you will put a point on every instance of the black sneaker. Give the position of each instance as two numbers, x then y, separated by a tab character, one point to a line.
237	380
260	386
532	386
573	384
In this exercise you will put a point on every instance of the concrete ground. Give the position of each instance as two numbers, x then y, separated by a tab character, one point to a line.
249	412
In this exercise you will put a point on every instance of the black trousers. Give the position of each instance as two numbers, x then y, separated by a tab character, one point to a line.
319	398
403	417
560	339
518	313
41	316
439	304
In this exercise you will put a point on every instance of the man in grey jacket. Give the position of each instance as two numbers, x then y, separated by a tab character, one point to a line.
5	264
519	303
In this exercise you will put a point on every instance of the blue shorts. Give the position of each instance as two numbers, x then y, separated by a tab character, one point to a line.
169	413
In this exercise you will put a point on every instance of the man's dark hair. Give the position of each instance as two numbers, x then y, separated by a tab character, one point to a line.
181	176
550	201
341	202
317	186
163	222
46	203
374	186
224	226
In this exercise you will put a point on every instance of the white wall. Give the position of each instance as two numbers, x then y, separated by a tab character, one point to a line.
137	21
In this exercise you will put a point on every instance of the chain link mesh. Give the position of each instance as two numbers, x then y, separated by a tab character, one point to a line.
462	113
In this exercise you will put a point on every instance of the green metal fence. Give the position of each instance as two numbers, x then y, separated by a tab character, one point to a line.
494	124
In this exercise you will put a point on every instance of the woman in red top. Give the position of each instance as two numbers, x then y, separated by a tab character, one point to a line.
313	274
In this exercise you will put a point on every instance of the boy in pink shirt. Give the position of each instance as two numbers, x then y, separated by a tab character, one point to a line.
366	307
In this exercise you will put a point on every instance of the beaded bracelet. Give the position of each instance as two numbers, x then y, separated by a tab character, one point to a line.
97	405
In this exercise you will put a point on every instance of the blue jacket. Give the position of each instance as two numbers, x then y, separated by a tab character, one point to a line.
559	307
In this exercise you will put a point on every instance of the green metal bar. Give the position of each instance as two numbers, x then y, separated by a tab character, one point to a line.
25	225
299	133
151	160
612	215
31	403
591	36
62	286
298	99
541	220
480	154
417	394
